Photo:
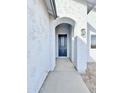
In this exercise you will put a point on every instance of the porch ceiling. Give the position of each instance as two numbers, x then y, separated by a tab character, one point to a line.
91	4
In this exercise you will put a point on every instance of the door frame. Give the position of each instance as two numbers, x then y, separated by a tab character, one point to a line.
58	46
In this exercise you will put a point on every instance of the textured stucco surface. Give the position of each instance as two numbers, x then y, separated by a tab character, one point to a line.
91	27
38	58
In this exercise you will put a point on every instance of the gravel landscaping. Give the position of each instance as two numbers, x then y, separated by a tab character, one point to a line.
90	77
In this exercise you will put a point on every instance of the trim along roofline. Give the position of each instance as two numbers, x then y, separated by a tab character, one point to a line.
51	6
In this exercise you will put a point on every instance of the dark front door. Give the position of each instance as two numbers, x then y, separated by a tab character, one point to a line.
62	44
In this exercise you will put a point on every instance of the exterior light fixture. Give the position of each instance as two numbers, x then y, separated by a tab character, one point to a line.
83	32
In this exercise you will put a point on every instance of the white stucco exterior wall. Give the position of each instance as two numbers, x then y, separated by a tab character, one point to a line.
91	19
38	38
52	44
76	10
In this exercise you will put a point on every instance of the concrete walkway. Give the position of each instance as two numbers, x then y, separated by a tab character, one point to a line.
65	79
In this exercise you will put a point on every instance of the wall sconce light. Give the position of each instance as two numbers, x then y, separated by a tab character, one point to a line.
83	32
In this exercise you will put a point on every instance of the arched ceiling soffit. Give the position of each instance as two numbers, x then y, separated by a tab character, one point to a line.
64	20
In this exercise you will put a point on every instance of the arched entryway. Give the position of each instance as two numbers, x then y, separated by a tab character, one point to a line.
63	22
63	39
64	34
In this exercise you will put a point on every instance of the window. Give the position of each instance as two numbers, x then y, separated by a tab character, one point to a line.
93	41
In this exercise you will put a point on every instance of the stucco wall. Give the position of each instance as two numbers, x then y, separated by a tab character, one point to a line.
38	42
52	44
91	19
76	10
